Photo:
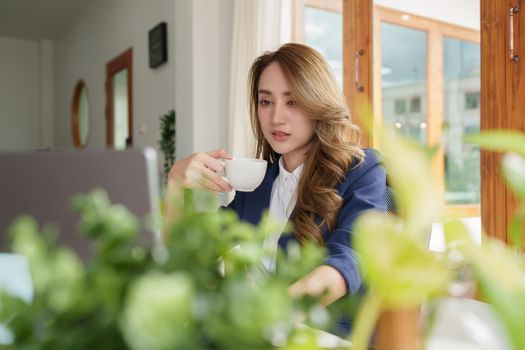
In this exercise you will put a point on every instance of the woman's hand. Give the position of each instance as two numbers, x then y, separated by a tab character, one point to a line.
200	171
324	281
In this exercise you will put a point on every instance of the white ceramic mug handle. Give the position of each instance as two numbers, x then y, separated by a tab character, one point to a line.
223	173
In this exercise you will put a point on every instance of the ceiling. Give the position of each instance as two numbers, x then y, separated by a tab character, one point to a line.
37	19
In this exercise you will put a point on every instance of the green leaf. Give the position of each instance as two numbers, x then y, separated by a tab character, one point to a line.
514	171
456	233
395	266
500	140
157	312
26	240
409	173
68	281
500	273
100	219
303	338
515	230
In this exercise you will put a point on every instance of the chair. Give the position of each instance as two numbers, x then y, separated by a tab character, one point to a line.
391	203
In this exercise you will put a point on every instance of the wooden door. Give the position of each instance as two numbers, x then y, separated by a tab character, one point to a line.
502	103
357	67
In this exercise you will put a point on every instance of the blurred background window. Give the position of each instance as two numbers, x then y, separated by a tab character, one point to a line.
404	43
462	87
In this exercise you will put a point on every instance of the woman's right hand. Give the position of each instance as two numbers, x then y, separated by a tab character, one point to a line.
200	171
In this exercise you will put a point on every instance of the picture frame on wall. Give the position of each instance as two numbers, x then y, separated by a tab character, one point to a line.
158	45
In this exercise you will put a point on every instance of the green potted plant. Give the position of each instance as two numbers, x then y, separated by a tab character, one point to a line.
126	297
167	140
400	272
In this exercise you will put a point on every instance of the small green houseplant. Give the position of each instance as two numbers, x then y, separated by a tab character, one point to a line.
167	140
174	297
401	273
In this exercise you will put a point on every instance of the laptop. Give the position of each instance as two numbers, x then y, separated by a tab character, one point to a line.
42	184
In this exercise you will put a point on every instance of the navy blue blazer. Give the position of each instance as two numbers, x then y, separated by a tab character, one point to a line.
363	188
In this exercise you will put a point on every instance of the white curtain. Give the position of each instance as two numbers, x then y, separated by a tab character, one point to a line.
256	28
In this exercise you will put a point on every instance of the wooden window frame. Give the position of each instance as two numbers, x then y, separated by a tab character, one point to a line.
436	31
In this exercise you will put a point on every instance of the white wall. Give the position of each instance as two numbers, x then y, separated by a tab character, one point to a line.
102	31
198	69
47	93
195	81
25	94
464	13
203	48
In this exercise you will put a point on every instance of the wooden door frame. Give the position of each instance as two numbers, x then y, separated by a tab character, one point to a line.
357	52
122	61
502	90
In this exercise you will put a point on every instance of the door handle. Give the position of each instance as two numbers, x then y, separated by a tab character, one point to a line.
512	12
358	54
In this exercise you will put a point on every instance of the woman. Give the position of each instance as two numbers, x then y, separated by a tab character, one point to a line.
318	176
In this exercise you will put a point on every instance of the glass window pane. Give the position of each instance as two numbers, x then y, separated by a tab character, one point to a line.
120	109
462	101
324	32
403	76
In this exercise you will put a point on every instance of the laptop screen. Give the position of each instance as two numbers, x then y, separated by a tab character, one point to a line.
42	184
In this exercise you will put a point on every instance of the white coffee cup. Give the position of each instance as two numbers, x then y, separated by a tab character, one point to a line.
245	174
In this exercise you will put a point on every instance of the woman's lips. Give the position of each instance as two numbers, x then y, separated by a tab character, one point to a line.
280	136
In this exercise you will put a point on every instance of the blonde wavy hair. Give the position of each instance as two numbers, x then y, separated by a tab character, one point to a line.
334	147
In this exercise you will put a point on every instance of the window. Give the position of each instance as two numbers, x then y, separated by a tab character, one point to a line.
415	104
428	80
472	100
323	29
400	106
403	50
462	161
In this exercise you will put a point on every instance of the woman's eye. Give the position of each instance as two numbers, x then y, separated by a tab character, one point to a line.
265	102
291	103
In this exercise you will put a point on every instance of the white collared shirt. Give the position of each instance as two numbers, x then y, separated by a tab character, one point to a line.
282	203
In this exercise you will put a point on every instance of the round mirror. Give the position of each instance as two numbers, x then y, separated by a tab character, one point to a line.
80	115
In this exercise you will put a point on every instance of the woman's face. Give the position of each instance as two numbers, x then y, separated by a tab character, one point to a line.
285	126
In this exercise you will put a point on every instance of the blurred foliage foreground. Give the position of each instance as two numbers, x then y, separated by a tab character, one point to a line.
177	296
